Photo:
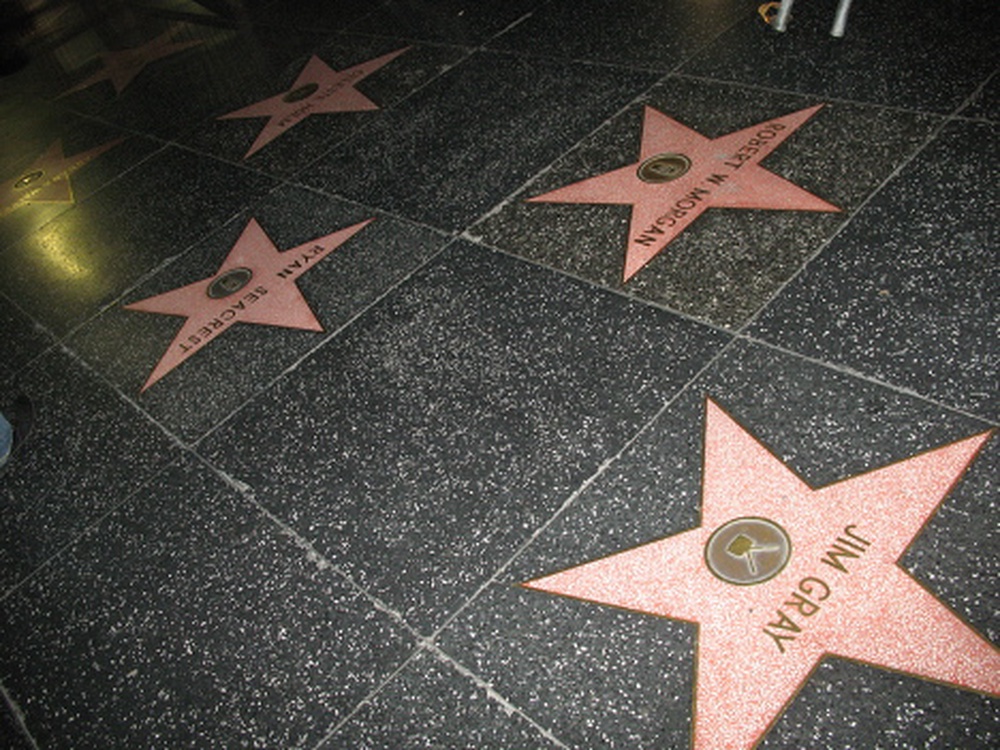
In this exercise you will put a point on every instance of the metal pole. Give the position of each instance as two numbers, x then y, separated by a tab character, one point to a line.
840	20
783	12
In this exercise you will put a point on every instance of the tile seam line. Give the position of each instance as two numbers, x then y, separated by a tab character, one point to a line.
616	291
52	339
326	339
969	100
83	201
496	208
873	380
327	146
313	555
491	692
120	393
806	95
441	656
88	528
323	563
331	145
472	52
663	72
451	234
161	266
333	728
635	101
571	499
19	716
848	220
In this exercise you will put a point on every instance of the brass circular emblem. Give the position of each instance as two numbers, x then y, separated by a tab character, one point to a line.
302	92
664	168
229	283
746	551
29	178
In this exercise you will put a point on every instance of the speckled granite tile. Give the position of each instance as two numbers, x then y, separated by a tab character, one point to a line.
43	145
465	22
595	677
985	103
175	93
728	262
12	737
22	339
432	705
84	259
930	58
313	15
469	138
642	33
188	619
423	445
126	345
908	292
311	136
87	452
602	677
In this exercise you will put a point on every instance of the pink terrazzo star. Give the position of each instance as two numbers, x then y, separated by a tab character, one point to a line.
318	89
681	173
254	284
122	66
769	611
47	179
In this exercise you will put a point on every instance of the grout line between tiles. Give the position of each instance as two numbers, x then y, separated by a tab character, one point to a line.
805	95
931	137
335	727
635	101
333	334
84	531
856	375
616	291
491	692
19	717
312	555
606	464
317	558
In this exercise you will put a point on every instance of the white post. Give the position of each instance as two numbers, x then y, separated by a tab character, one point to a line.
840	20
783	12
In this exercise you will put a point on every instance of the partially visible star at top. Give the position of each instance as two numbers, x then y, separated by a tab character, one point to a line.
47	178
122	66
681	173
318	89
837	588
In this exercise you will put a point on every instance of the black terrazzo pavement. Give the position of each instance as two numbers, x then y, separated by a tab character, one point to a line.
313	539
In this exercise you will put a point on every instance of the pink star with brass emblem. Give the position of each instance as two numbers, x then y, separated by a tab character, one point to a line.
254	284
780	575
681	173
122	66
318	89
46	180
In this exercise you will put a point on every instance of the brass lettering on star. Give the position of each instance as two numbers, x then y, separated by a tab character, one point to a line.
304	259
804	600
700	193
748	150
221	321
310	93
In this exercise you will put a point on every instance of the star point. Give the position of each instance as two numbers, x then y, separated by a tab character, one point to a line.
681	173
254	284
121	67
47	178
318	89
836	590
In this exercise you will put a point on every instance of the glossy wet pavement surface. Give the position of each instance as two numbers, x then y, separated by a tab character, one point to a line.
396	365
